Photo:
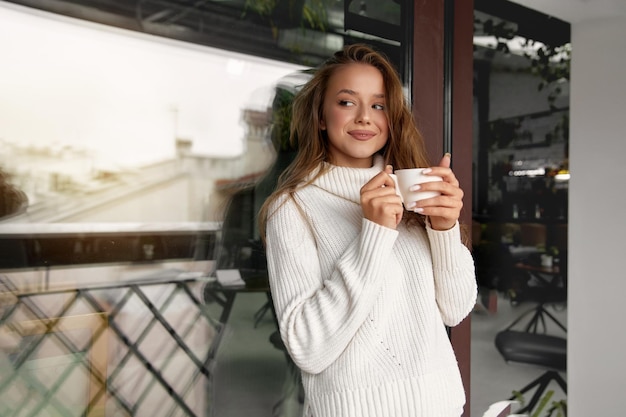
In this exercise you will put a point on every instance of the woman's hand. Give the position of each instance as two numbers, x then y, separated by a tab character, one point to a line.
444	210
380	202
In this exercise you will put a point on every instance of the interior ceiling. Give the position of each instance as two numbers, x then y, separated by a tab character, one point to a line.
529	23
574	11
289	32
285	33
215	23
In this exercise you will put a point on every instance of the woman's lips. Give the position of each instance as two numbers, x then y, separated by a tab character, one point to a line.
362	134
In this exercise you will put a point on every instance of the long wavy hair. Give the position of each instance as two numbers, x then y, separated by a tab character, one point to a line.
404	148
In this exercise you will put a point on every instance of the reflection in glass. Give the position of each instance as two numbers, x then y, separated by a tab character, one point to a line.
122	122
119	154
521	177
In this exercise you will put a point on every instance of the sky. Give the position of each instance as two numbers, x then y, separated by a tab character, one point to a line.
121	95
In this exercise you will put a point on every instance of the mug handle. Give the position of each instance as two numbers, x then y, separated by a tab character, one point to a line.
394	177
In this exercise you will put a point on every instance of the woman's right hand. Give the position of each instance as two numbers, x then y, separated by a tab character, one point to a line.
380	202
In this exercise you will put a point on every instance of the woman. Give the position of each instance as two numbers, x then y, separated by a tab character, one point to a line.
362	288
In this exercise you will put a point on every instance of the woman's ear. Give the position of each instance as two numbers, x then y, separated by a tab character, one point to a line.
322	124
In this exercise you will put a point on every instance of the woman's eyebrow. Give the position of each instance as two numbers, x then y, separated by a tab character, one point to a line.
347	91
354	93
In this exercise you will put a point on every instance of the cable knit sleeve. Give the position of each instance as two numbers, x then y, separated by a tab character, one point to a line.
455	278
319	315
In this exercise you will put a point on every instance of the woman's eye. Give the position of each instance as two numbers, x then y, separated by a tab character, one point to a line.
345	103
378	107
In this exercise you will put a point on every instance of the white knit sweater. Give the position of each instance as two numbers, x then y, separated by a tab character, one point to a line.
362	307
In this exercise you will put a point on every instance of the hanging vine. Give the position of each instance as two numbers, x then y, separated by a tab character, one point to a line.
311	14
551	64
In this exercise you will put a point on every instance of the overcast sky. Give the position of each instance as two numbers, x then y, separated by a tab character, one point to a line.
122	95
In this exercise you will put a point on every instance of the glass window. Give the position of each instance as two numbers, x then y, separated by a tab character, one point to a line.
520	193
133	140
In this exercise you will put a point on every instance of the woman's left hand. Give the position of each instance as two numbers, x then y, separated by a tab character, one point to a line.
444	210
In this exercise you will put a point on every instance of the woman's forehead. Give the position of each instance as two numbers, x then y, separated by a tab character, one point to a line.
357	79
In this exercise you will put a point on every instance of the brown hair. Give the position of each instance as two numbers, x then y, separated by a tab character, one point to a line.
405	145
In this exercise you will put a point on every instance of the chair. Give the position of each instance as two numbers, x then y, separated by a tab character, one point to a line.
542	350
238	248
530	347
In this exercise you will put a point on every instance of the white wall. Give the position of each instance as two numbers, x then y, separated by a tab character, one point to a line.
597	278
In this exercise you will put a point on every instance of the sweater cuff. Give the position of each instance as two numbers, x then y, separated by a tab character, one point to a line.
374	232
444	245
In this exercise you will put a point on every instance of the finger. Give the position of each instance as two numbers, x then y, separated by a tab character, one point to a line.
445	173
446	189
382	179
381	195
441	215
443	201
432	206
389	182
399	217
446	160
384	210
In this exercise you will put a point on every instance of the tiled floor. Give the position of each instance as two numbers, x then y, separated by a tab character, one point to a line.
250	371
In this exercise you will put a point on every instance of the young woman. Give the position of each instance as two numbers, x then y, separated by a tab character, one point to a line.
363	288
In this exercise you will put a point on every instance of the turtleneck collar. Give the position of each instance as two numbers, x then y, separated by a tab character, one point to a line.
346	182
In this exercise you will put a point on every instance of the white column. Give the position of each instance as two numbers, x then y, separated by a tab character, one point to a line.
597	224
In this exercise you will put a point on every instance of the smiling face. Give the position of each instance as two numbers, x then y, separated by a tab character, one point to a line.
354	115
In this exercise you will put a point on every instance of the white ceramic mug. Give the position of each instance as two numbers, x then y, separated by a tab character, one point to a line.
406	178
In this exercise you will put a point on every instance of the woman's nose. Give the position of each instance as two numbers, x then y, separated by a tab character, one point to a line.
363	116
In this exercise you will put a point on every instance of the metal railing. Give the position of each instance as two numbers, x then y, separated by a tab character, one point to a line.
94	347
36	323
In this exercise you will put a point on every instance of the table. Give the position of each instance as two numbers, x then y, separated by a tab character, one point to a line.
551	289
539	270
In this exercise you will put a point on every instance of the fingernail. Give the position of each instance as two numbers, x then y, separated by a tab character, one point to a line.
411	205
426	170
419	210
448	154
389	167
414	187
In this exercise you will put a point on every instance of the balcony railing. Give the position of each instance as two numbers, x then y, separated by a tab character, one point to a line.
117	325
